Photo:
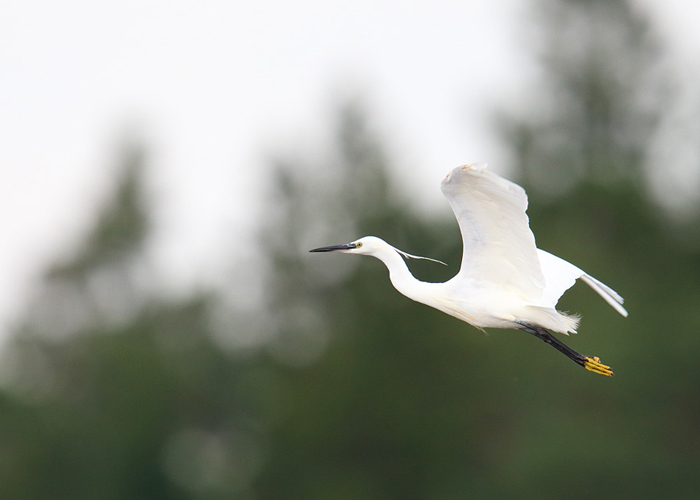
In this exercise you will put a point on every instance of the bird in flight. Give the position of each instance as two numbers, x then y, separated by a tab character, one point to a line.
504	281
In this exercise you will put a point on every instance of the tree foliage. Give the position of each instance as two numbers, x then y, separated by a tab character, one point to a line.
351	390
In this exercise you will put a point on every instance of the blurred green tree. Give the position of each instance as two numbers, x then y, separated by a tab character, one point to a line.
113	392
602	92
583	160
348	389
381	413
405	403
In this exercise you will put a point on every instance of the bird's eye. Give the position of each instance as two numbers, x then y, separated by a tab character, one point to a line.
358	244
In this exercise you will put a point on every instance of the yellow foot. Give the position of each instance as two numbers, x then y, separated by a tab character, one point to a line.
594	365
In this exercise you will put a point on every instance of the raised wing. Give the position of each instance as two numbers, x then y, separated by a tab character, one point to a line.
499	246
561	275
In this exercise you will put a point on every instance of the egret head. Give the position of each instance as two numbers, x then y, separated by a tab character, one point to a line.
371	245
368	245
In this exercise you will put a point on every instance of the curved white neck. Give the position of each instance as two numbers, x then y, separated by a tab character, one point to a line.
400	276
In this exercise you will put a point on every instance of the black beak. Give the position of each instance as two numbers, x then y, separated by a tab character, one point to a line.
334	248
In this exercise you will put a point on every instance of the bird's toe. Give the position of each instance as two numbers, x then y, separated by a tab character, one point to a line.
594	365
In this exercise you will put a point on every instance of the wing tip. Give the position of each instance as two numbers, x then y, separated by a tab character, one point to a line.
469	168
609	295
479	166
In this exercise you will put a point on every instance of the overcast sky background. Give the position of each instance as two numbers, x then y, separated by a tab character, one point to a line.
214	87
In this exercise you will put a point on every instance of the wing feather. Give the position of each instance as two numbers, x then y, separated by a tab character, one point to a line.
561	275
498	245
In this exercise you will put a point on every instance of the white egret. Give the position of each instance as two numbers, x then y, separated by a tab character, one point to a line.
505	281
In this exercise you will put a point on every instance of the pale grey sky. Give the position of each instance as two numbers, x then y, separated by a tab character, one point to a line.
212	86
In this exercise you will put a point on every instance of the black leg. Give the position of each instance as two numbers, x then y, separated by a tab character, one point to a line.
592	364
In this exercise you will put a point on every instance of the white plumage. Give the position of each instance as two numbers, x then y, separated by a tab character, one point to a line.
504	280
